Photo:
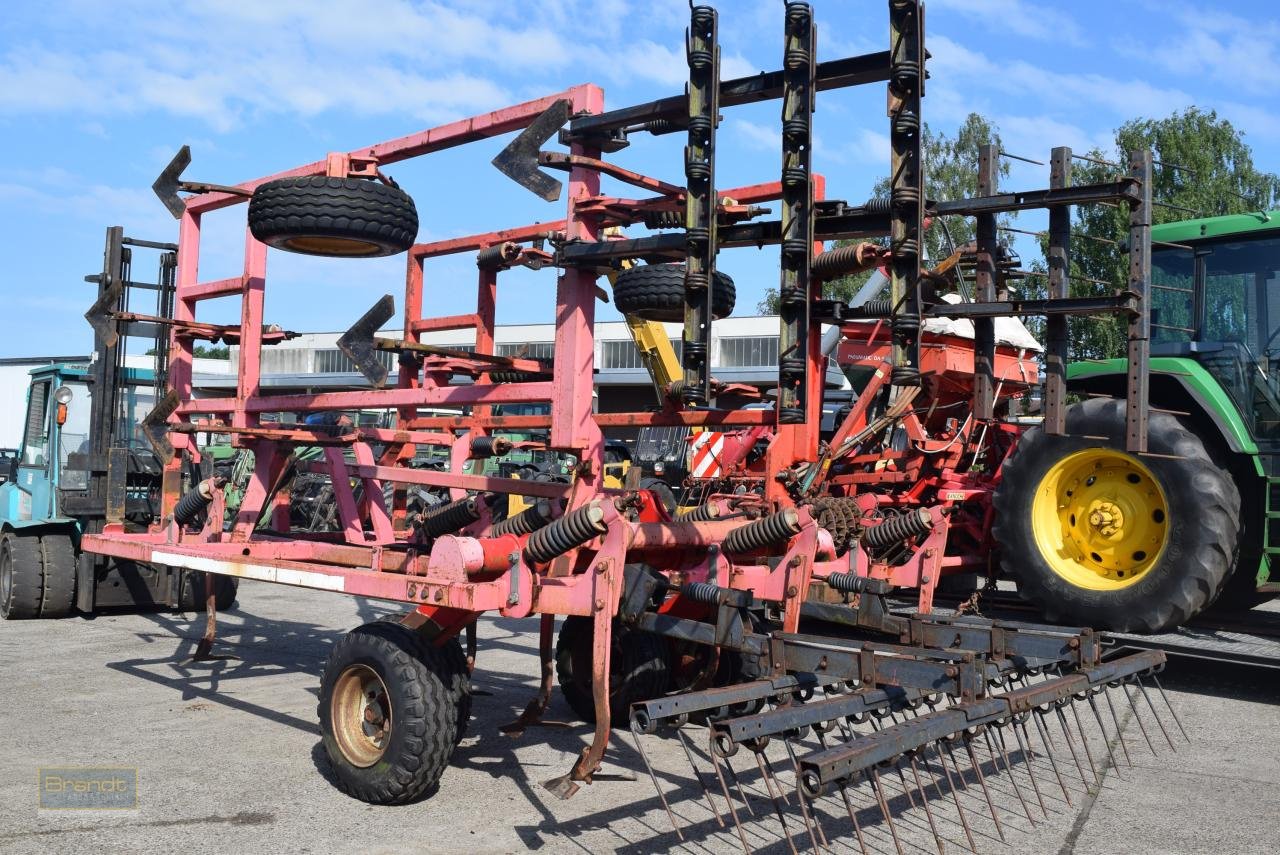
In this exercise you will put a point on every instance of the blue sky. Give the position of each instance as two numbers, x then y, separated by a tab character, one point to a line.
96	97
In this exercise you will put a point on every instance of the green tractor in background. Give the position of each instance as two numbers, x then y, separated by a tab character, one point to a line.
1096	536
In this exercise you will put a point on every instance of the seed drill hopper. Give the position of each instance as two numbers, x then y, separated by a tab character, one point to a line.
679	626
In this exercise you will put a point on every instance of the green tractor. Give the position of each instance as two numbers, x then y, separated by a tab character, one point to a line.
1097	536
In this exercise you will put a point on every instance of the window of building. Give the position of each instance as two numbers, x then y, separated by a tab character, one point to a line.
749	351
532	349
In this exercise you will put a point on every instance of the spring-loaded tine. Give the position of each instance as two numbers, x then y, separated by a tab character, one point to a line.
924	800
982	779
777	804
1048	750
878	789
995	762
1093	767
1172	711
1106	693
1071	745
1093	705
809	822
955	796
1154	714
897	765
1026	757
733	810
684	743
635	733
1142	727
769	765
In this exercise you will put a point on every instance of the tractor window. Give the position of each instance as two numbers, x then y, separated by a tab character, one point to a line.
1172	297
35	438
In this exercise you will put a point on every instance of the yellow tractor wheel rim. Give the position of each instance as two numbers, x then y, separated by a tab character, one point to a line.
1100	519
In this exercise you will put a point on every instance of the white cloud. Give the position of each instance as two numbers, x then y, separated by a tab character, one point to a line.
1019	18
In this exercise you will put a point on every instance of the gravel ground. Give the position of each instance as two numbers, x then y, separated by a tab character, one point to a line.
229	759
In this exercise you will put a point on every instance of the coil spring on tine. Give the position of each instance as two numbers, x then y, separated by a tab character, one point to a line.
906	122
663	219
702	513
899	528
700	126
774	528
797	13
906	325
697	170
451	517
489	446
703	16
569	531
795	58
905	197
795	130
532	518
904	77
794	177
792	367
696	238
795	247
700	59
907	248
658	127
849	583
879	308
707	593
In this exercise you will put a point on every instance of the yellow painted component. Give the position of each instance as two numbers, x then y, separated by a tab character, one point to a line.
655	349
1100	519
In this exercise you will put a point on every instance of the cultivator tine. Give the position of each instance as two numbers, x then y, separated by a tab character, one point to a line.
1172	711
878	788
635	733
810	822
924	800
1154	714
733	810
688	753
1026	759
1119	732
155	426
1084	738
766	774
844	792
1071	745
519	160
995	763
1141	727
167	184
955	796
1106	741
358	344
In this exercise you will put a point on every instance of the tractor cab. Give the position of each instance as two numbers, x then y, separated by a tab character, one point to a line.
1216	299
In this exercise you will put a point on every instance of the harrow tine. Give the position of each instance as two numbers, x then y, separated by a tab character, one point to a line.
924	800
1172	711
1026	758
635	733
804	808
1071	745
1048	750
1119	732
1093	767
733	810
737	784
777	804
995	763
1142	727
901	777
977	767
688	753
955	796
844	793
878	788
1154	714
1093	705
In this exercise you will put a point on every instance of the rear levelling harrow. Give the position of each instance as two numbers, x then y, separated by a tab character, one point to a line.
668	620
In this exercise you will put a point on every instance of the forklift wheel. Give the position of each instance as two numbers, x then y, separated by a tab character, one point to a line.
59	559
655	292
21	576
388	713
338	217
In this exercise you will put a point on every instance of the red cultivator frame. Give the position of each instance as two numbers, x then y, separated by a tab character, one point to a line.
730	581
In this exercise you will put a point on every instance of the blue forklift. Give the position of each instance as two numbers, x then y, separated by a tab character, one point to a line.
84	463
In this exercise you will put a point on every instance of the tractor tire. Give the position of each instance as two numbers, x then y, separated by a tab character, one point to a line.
638	669
191	596
21	576
655	292
456	660
388	671
58	555
338	217
1097	537
661	491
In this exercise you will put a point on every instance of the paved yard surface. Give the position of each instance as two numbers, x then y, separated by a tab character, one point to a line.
229	760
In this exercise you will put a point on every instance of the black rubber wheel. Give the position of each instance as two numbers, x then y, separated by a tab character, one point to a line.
191	596
21	576
662	492
388	713
345	217
638	669
456	660
1177	503
655	292
59	560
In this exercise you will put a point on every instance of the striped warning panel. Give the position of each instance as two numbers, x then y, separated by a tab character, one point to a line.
706	450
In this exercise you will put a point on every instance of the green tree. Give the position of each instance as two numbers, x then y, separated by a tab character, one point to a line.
950	173
1205	169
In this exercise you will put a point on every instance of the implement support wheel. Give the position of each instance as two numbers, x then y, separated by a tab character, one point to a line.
389	713
637	669
1098	537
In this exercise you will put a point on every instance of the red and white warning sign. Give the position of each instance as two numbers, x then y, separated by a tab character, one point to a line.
705	453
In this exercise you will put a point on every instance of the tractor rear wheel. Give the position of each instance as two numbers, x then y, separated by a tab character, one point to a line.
655	292
1096	536
21	576
388	713
338	217
638	669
